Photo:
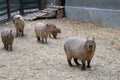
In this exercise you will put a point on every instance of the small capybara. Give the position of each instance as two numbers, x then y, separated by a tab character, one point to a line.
80	48
55	32
42	31
19	24
7	38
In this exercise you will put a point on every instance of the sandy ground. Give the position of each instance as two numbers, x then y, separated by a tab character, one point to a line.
31	60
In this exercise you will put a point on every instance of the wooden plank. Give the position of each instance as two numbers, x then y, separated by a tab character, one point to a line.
57	7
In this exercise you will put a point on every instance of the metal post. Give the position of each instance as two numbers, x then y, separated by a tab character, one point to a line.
8	9
21	7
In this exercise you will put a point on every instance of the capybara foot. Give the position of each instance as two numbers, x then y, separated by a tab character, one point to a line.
76	62
88	66
83	68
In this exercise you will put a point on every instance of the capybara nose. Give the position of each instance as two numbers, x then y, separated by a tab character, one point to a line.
90	46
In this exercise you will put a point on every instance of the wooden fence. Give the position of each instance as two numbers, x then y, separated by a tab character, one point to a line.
8	8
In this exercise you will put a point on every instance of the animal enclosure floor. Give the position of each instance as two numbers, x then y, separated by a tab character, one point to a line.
31	60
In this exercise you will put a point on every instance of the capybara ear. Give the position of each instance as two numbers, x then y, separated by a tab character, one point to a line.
94	39
18	17
87	38
10	31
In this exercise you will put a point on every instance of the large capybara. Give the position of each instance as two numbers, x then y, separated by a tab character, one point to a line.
80	48
43	30
55	32
19	24
7	38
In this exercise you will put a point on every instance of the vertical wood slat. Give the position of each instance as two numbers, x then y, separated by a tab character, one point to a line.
21	7
39	4
8	9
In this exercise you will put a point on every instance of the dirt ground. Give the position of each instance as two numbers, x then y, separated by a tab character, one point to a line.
31	60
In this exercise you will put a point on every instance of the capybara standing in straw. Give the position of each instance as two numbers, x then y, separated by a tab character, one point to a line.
55	32
19	24
43	30
80	49
7	38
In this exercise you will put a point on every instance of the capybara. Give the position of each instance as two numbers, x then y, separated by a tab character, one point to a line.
43	30
7	38
55	32
19	24
80	48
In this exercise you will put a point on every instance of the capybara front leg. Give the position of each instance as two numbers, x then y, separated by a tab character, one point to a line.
83	65
38	38
69	62
88	63
45	40
6	47
55	36
10	47
76	62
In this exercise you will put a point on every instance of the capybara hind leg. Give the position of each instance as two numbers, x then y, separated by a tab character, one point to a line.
42	40
76	62
22	33
83	65
55	36
17	33
69	62
88	63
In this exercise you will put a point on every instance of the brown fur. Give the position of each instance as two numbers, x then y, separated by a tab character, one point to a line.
79	48
55	32
19	25
7	38
43	30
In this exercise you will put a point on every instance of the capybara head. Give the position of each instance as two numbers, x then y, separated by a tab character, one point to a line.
16	20
8	37
59	30
90	44
50	27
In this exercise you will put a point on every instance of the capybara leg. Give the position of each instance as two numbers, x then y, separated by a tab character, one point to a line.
45	40
69	62
42	40
88	63
10	47
16	33
55	36
22	33
38	38
50	35
6	47
83	65
76	62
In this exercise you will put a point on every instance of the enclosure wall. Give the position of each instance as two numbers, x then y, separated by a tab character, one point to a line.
99	12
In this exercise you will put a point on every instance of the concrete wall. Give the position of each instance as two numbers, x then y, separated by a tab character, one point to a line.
99	12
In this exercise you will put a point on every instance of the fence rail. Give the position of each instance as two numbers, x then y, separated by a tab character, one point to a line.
8	8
